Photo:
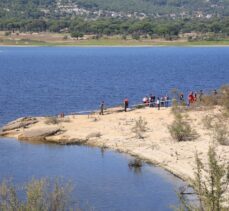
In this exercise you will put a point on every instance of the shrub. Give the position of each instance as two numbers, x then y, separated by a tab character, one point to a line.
41	195
77	35
139	127
7	33
221	133
124	37
210	184
181	130
136	163
136	36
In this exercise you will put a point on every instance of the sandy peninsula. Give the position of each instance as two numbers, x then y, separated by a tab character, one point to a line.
114	130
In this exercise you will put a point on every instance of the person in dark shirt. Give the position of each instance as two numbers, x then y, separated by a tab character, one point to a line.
126	104
102	108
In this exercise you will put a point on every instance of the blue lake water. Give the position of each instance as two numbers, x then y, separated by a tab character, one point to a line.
102	181
49	80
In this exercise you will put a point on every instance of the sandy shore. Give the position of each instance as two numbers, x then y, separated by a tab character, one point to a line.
114	130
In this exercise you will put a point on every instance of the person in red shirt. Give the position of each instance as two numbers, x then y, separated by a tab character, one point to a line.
190	98
126	104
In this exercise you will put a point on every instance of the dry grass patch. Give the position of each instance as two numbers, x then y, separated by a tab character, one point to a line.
221	133
139	128
53	120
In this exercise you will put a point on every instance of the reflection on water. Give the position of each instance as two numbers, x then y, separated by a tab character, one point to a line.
102	179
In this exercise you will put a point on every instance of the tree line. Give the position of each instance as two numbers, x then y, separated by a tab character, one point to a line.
113	26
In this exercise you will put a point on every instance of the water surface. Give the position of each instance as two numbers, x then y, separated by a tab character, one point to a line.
50	80
101	180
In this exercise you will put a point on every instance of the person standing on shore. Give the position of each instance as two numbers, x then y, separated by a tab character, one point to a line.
126	104
190	98
158	103
201	95
181	98
101	108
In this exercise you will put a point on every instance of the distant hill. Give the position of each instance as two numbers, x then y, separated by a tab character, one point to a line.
37	9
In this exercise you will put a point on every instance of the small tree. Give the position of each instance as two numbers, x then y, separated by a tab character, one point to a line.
77	35
210	183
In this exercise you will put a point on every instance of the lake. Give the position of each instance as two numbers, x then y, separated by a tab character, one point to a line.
49	80
102	180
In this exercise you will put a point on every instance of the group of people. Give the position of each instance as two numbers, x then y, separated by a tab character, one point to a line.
151	101
154	101
195	96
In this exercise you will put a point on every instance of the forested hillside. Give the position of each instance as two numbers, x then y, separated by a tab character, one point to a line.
155	8
150	18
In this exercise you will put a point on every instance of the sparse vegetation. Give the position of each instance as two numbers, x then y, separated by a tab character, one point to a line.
40	195
181	130
53	120
176	108
140	106
219	97
208	122
139	128
210	183
224	97
221	133
218	125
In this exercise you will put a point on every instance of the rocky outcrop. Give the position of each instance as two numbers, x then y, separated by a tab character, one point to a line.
39	134
19	123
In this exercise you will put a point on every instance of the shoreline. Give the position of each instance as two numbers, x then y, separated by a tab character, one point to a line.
118	46
114	131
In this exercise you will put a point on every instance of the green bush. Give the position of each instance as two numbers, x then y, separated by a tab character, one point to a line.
181	130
